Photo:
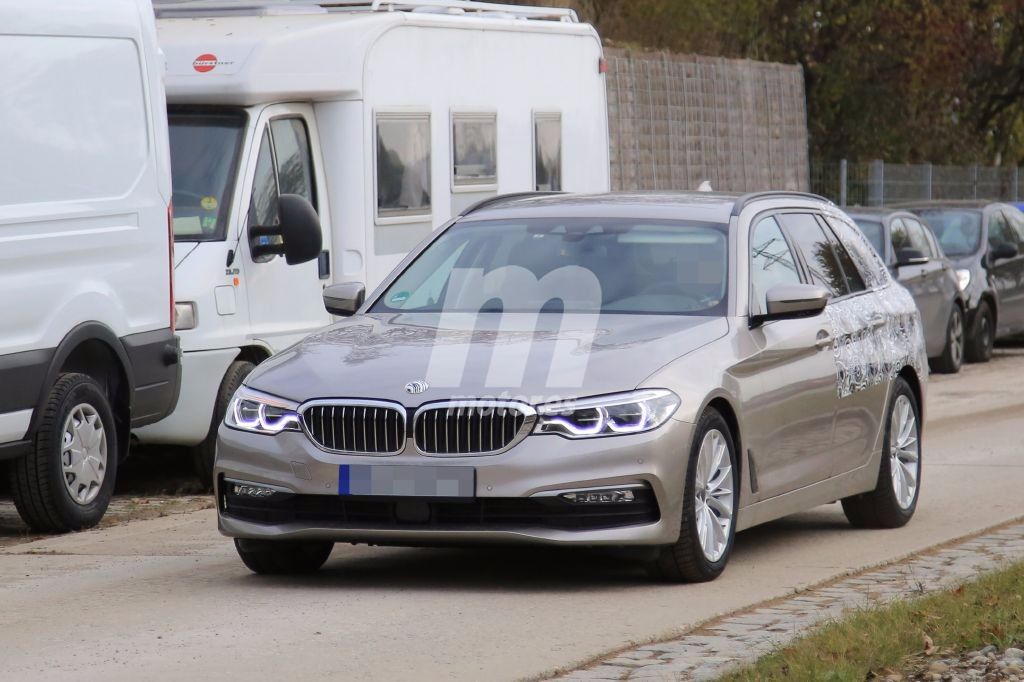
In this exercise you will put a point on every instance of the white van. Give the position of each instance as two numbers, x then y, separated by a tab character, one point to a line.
87	345
387	119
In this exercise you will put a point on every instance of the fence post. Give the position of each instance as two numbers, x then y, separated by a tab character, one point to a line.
842	183
928	180
1016	180
974	179
876	183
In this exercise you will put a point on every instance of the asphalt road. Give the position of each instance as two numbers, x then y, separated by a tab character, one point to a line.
168	599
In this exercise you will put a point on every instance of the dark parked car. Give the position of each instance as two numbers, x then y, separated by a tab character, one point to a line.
916	260
985	241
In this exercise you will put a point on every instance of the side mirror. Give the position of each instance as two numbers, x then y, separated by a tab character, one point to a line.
345	299
1003	251
791	301
299	229
910	257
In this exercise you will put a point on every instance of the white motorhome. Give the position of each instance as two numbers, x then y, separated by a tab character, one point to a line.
386	118
87	347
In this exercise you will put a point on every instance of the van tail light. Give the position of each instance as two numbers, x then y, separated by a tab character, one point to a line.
170	260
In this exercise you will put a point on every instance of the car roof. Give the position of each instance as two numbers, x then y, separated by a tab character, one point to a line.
977	204
708	206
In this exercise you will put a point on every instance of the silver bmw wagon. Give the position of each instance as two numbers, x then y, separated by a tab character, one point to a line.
648	371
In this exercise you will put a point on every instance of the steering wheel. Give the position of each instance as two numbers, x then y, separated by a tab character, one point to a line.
672	289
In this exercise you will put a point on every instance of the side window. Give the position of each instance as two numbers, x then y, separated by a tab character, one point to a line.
999	230
474	150
854	281
917	237
547	152
1016	219
816	250
771	261
263	207
870	265
294	162
403	165
900	237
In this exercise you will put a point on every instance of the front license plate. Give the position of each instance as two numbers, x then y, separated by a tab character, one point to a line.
399	480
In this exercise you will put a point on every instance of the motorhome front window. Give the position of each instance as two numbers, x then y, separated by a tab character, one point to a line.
205	147
403	165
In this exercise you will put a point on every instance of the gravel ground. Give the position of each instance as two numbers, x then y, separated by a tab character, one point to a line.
986	664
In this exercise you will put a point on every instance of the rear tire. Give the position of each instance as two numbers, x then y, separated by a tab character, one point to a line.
708	495
65	483
283	557
885	507
982	336
204	453
952	355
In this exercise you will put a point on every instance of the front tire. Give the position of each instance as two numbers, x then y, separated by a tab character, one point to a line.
204	453
709	507
983	335
893	501
952	355
65	483
283	557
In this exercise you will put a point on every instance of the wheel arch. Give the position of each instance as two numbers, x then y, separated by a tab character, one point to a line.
254	353
909	374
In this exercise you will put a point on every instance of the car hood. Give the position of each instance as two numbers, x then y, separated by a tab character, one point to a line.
534	358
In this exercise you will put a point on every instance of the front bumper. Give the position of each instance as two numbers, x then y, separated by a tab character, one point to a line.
510	505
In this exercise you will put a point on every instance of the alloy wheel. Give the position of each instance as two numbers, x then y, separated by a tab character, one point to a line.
713	490
83	453
956	337
904	454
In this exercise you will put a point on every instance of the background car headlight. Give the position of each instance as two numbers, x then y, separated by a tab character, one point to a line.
608	415
184	316
963	278
257	412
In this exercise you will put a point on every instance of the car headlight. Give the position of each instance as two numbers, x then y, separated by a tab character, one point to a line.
184	316
963	278
608	415
257	412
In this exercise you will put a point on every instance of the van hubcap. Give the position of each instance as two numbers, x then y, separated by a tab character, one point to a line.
83	453
904	457
713	485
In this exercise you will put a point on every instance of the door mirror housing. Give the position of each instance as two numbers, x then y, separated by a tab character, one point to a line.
792	301
910	257
344	299
301	237
1003	251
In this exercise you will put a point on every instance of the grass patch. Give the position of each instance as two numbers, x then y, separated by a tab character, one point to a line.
987	611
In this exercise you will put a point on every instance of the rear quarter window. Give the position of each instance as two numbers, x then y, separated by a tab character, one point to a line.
73	124
869	264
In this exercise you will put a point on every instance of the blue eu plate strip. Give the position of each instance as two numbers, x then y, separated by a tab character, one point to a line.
343	479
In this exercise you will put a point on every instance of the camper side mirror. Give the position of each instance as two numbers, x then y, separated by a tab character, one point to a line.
301	238
345	299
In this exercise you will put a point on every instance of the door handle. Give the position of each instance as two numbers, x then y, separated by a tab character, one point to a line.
822	340
876	321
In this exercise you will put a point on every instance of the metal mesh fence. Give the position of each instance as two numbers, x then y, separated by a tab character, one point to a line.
678	120
876	183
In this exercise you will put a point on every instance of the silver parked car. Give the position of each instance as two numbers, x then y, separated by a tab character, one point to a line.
655	371
917	261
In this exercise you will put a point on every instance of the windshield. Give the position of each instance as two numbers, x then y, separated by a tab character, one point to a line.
873	230
568	265
205	146
958	229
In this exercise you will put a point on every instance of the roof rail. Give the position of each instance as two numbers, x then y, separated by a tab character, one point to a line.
192	8
743	200
502	198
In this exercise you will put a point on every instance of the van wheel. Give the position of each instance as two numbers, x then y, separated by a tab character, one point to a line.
893	501
982	336
65	483
709	507
283	557
952	355
203	454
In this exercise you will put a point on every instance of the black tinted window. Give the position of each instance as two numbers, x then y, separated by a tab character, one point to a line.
999	231
854	282
294	164
816	250
875	233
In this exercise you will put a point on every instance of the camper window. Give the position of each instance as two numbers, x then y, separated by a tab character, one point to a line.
474	150
547	152
403	166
